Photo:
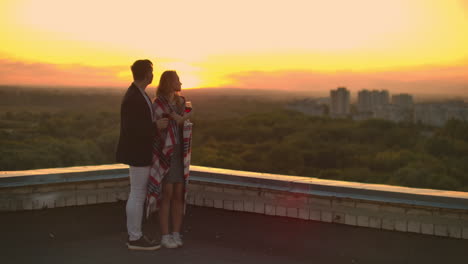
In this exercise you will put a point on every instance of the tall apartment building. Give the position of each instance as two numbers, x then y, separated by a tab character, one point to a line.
340	102
380	98
364	103
403	100
369	101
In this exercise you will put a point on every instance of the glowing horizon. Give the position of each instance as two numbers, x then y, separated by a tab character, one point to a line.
211	43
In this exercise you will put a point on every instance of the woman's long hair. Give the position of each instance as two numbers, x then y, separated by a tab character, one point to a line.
166	83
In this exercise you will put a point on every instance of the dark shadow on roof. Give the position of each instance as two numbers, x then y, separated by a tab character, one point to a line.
97	234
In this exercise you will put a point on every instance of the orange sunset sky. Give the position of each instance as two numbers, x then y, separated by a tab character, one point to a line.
400	45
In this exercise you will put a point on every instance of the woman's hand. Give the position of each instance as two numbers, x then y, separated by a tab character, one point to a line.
188	115
162	123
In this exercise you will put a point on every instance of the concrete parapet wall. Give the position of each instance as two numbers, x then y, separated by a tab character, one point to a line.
431	212
59	187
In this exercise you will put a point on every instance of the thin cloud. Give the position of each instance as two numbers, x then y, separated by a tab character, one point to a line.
450	80
22	73
447	80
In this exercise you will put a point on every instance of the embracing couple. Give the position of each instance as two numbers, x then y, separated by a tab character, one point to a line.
155	139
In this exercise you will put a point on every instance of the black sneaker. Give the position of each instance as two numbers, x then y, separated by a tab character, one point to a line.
143	244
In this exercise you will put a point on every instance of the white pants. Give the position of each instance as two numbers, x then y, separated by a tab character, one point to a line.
138	185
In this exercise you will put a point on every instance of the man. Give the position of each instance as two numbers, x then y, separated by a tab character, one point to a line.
137	131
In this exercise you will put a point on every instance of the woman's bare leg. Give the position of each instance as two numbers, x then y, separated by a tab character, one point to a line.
177	206
165	207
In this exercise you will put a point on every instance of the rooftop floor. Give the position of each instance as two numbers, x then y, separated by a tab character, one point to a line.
97	234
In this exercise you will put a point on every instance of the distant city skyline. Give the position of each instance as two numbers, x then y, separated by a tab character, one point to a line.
396	45
377	104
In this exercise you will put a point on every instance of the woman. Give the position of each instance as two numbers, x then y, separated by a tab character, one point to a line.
169	172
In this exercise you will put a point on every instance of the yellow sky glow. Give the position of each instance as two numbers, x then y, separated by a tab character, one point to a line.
207	40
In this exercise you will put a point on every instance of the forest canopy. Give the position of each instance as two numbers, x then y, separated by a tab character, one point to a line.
252	133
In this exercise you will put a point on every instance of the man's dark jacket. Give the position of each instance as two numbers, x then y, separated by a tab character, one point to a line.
137	130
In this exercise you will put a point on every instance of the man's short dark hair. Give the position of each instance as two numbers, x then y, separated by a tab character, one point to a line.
140	68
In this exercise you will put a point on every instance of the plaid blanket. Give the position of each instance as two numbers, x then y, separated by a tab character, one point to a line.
163	148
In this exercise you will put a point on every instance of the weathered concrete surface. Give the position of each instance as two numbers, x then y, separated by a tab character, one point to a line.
97	234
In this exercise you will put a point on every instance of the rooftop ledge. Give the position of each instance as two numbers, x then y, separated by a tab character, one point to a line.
294	184
424	211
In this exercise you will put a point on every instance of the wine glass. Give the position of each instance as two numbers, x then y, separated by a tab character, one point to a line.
188	106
